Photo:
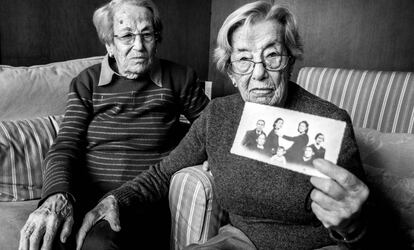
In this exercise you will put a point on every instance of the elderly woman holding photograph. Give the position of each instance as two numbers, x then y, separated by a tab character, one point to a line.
269	207
122	116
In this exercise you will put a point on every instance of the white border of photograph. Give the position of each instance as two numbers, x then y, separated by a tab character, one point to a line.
333	131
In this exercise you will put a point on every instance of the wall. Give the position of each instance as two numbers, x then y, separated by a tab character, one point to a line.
368	34
44	31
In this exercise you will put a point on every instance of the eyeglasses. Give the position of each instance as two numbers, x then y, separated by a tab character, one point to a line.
129	38
271	63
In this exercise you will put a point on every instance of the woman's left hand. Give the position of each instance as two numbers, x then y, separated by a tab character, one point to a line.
337	202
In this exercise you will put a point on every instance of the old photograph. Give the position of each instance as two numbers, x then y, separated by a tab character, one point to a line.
287	138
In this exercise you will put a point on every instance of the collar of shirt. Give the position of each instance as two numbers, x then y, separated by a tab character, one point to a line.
107	72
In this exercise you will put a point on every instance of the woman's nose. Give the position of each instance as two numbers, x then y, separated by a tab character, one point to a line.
138	43
259	71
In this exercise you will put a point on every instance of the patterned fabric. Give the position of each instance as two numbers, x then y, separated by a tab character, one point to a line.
195	215
23	145
374	99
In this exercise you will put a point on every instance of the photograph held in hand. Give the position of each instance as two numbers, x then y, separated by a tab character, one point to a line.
287	138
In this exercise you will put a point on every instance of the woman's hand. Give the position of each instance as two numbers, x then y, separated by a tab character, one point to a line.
44	222
107	209
337	202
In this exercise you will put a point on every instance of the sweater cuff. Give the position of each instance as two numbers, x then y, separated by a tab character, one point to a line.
351	238
124	195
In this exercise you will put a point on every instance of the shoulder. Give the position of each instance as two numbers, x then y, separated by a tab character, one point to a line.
227	108
88	77
174	69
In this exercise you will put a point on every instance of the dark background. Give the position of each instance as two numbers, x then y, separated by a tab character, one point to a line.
361	34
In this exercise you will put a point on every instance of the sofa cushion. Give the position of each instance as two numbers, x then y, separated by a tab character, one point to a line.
23	145
46	86
388	160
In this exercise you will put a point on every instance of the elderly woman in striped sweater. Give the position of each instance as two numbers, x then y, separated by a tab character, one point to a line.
122	116
269	207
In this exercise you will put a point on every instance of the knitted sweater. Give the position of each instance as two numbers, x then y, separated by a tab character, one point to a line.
114	130
268	203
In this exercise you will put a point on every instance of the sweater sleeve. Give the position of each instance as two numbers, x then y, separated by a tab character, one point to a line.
192	97
62	156
153	184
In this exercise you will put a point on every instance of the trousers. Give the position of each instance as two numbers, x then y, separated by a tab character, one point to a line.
144	227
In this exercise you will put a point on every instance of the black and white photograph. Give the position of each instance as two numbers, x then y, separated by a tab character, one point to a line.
206	124
286	138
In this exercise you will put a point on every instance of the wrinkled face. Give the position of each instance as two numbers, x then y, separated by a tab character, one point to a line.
278	125
302	127
308	152
260	125
320	139
136	58
255	42
261	140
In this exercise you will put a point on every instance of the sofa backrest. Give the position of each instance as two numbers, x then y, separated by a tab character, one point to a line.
379	100
28	92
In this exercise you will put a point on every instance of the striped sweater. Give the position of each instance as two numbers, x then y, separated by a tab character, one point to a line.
112	132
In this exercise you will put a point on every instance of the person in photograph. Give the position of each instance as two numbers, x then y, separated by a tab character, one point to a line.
269	207
307	157
250	138
272	142
295	152
260	145
317	148
279	158
121	117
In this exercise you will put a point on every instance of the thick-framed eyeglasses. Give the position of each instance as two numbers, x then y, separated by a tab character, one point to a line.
271	63
129	38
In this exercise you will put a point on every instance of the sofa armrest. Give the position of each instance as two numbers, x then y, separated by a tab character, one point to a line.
195	214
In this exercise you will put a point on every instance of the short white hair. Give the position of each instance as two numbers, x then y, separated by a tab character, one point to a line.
249	14
103	18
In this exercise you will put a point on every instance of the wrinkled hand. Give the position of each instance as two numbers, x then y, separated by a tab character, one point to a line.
337	202
44	222
107	209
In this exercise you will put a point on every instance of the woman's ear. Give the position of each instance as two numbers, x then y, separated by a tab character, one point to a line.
109	49
233	80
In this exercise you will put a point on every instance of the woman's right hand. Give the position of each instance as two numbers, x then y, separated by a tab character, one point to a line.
43	223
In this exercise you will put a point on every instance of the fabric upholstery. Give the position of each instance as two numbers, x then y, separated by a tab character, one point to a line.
23	145
45	85
389	164
374	99
195	214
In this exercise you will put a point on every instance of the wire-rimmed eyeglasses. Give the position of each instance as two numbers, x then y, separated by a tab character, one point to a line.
271	63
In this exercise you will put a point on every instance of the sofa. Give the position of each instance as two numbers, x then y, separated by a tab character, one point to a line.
33	99
381	106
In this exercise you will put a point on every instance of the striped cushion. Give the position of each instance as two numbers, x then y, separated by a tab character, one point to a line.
195	215
374	99
23	145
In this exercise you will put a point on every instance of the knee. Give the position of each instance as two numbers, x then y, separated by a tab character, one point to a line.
101	236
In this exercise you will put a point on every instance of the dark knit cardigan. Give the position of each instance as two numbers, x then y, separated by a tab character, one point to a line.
269	204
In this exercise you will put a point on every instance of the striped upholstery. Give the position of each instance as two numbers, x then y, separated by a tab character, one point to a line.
23	145
195	215
374	99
